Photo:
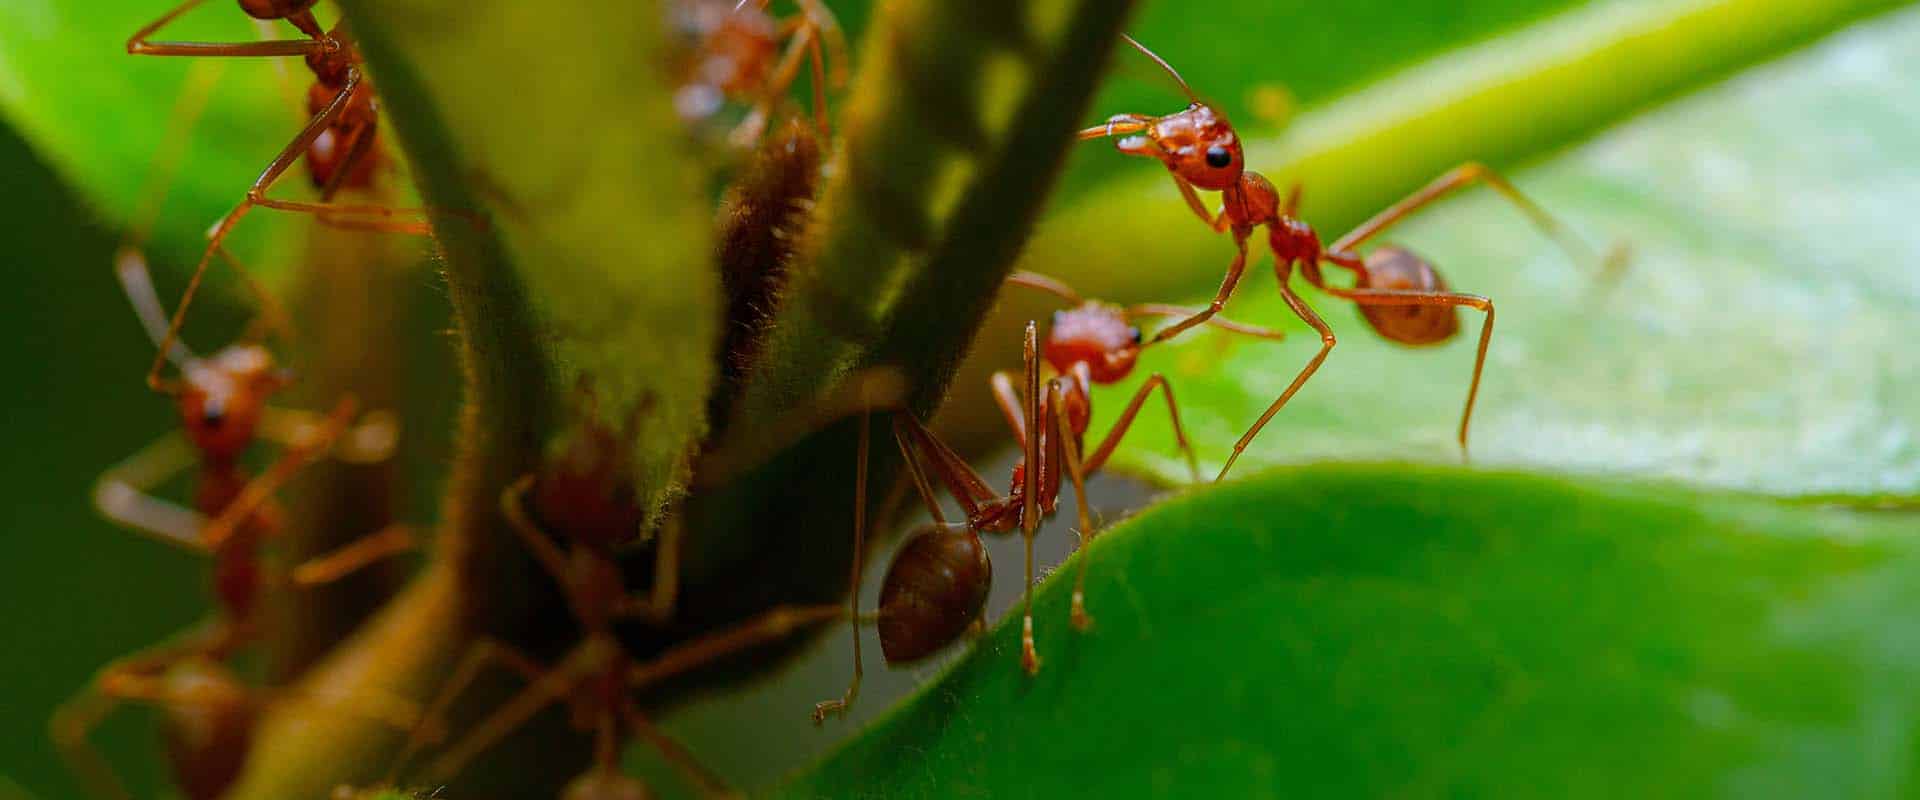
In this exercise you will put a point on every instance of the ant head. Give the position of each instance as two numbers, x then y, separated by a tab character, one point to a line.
936	586
222	398
207	726
586	491
605	784
1397	268
1197	144
1096	335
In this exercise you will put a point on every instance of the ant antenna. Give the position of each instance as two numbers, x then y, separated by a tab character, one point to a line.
131	266
1188	90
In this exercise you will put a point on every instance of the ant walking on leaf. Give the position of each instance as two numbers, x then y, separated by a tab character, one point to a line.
222	402
935	589
1399	294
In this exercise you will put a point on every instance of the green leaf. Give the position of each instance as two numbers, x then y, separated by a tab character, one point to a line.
102	117
1370	630
1752	343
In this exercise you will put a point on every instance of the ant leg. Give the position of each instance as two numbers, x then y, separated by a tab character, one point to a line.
1008	399
121	494
1234	271
272	317
825	707
583	661
1046	283
770	626
513	507
1070	449
1218	222
1466	175
371	441
1291	208
1398	297
783	76
1327	341
1230	326
962	481
346	559
130	263
118	681
279	165
827	27
675	753
550	687
657	606
910	458
187	108
481	655
295	458
1029	501
69	729
1125	421
139	43
817	75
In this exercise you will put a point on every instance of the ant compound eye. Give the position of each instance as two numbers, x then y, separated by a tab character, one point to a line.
1135	333
213	416
1219	157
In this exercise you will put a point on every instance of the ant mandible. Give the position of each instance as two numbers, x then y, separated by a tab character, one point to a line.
338	142
935	589
222	404
585	498
733	56
1201	152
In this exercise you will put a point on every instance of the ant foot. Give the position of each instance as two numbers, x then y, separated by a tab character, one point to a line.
1082	621
1029	658
825	707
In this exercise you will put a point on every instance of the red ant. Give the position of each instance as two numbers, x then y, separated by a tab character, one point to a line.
1202	153
584	497
338	142
734	52
222	403
936	587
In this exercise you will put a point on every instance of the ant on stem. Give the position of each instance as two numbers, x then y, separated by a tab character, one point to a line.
338	142
222	402
1399	294
935	589
584	498
735	54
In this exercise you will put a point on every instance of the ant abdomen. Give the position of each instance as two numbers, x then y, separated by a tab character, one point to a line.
935	588
1397	268
207	727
